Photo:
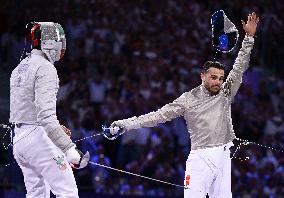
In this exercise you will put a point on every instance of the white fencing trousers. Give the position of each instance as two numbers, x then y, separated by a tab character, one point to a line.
43	164
209	171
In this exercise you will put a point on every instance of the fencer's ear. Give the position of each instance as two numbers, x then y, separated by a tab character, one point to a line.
202	76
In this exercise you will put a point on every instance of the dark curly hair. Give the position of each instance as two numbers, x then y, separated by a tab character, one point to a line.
214	64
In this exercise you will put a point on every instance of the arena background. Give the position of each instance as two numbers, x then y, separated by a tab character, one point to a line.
128	58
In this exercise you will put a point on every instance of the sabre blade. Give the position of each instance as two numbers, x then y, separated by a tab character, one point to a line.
246	142
97	134
137	175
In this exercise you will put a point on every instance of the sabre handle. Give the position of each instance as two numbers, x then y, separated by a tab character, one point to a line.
112	133
114	130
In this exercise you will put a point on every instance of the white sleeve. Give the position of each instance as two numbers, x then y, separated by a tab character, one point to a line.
46	87
164	114
234	79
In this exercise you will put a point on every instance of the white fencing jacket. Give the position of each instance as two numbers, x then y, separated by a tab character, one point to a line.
208	118
33	88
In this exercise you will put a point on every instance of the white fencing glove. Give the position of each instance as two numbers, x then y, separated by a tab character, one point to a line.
76	158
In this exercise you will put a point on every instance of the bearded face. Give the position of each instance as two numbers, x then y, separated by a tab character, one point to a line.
213	79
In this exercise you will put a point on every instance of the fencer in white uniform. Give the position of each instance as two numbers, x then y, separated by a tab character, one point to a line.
41	148
207	112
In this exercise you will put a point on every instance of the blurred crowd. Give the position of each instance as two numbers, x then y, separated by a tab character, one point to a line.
127	58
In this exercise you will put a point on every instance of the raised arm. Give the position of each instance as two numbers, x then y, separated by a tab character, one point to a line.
234	79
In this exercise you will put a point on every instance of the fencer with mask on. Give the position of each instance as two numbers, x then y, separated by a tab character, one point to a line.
41	145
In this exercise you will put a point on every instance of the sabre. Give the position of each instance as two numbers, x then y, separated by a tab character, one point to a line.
137	175
106	132
246	142
88	137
